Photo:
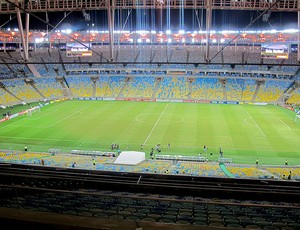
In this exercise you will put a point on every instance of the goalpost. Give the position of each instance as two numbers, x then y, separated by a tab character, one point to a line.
33	110
297	119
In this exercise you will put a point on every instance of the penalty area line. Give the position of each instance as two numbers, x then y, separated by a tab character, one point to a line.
284	123
80	111
154	126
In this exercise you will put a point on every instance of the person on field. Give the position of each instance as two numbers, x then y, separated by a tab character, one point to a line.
152	155
221	152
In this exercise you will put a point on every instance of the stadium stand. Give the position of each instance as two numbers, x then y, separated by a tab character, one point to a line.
248	93
157	208
206	169
49	87
114	86
22	90
172	87
271	90
246	171
235	89
80	86
7	99
294	98
101	86
142	87
134	65
284	172
207	88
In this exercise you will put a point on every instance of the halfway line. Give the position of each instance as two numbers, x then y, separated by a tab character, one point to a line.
155	124
256	124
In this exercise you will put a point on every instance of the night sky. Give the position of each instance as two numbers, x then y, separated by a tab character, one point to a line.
160	20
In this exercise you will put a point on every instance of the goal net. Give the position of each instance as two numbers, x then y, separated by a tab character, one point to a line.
33	110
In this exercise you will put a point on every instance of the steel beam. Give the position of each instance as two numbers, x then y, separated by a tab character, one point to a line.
110	15
78	5
24	47
298	46
208	25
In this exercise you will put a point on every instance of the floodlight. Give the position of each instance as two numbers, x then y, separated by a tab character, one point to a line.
290	31
168	31
181	32
67	31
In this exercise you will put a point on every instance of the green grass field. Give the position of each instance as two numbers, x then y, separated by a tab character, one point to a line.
245	132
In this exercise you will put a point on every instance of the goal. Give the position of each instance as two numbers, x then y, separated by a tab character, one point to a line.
33	110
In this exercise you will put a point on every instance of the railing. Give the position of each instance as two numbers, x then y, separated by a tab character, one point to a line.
180	158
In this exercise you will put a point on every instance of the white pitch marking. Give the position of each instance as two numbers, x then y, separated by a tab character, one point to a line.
68	116
12	123
45	115
284	123
162	113
256	124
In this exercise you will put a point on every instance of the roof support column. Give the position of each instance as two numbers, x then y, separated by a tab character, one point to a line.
24	45
298	46
27	36
110	15
208	25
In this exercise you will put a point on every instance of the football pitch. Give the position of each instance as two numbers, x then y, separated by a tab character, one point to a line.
244	132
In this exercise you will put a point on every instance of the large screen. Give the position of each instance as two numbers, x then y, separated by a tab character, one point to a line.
78	50
275	51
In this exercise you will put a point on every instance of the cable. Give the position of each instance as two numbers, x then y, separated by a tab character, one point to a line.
47	23
250	24
8	21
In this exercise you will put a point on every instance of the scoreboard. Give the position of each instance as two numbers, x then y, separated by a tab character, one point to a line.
78	50
275	51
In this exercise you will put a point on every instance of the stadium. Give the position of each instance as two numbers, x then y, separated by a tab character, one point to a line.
150	114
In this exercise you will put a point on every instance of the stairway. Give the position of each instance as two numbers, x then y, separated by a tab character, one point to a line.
157	82
120	94
258	84
94	82
37	90
12	94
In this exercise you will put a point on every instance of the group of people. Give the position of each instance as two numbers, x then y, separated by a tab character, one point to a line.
114	146
205	149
